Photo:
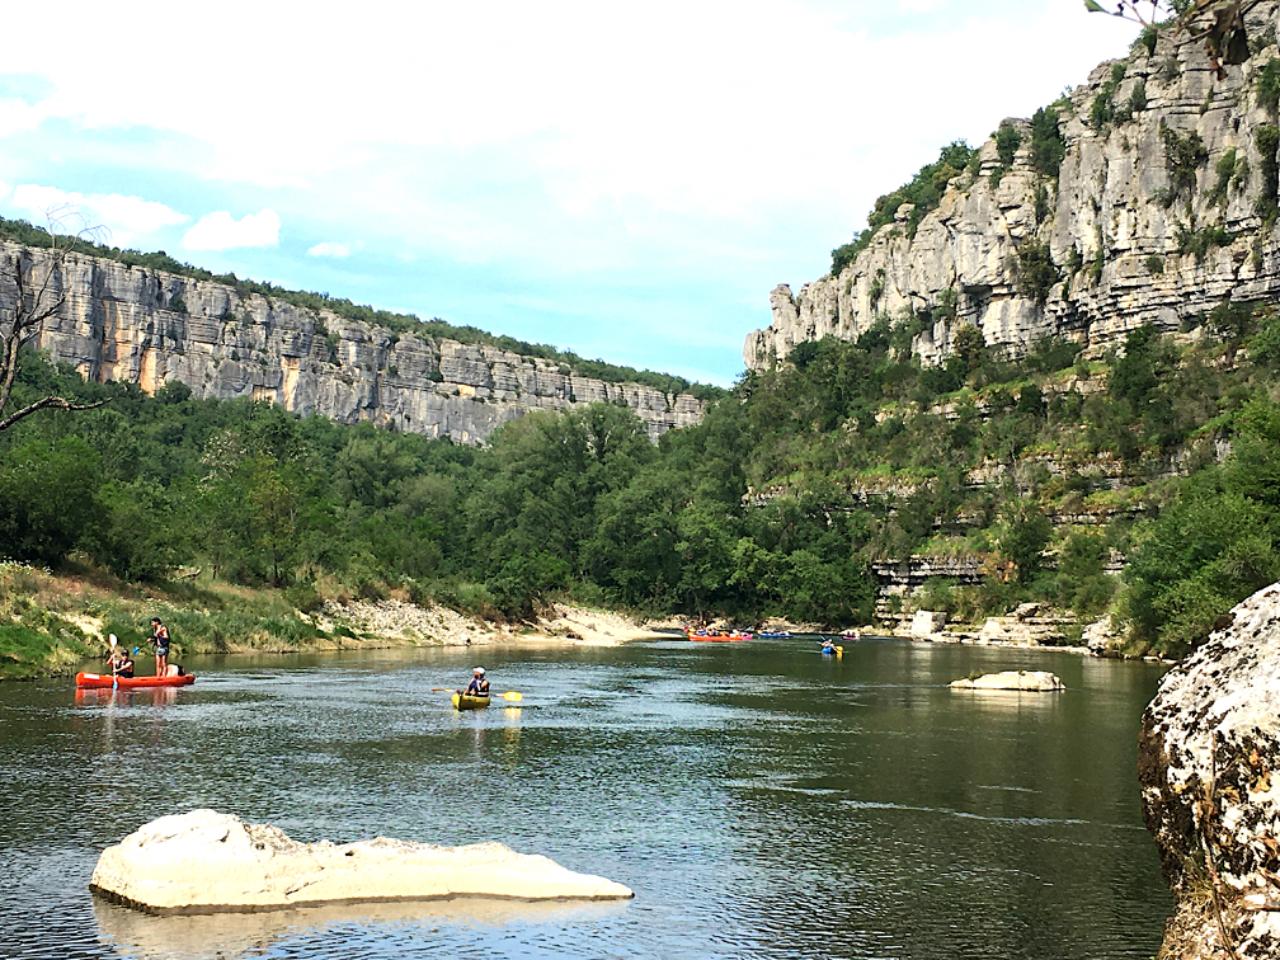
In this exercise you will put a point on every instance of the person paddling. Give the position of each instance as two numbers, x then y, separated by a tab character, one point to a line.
120	662
160	640
479	685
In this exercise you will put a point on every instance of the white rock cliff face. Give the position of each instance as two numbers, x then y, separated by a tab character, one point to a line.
1111	220
1209	764
204	861
151	328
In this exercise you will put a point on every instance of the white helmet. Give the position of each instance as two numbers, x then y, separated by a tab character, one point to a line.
478	671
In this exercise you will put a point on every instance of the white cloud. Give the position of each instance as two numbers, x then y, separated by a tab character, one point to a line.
123	220
920	6
569	145
330	248
221	231
18	115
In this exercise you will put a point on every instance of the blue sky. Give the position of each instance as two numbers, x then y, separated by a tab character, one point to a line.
628	183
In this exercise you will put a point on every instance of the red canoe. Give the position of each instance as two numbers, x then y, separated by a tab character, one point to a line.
720	637
101	681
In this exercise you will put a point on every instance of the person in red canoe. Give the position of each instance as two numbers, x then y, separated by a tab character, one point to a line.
160	640
120	662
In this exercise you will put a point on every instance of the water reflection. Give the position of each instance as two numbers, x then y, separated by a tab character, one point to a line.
178	937
108	697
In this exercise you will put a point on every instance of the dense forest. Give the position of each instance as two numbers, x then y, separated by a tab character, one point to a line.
1050	468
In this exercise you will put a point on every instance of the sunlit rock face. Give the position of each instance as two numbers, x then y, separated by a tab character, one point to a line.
205	862
1132	238
1209	763
151	328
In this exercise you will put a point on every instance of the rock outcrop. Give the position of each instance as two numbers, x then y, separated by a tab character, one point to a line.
149	327
925	623
1209	763
1162	209
204	862
1030	680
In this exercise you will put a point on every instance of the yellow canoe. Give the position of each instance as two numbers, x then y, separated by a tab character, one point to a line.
463	701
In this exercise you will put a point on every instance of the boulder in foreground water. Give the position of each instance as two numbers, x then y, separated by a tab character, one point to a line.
1209	764
1011	680
205	861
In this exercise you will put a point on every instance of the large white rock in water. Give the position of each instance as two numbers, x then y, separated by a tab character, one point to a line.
206	861
1011	680
926	623
1209	765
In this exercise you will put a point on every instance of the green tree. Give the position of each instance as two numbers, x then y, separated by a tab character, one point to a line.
48	498
1025	532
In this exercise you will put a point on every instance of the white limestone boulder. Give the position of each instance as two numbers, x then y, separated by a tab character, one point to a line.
1033	680
204	861
1209	765
926	623
1102	638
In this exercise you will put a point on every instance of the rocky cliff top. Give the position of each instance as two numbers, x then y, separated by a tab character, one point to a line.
1163	206
152	327
1210	770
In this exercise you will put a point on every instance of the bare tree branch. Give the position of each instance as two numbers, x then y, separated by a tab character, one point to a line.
31	308
58	403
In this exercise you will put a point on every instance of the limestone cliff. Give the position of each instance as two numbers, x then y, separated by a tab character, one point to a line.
1164	206
1209	749
150	327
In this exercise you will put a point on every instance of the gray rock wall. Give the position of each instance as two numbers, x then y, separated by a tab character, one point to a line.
1209	763
150	327
1112	205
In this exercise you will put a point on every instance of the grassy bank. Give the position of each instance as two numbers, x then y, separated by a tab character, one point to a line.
58	622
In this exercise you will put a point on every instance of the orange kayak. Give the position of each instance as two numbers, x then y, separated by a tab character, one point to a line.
719	637
99	681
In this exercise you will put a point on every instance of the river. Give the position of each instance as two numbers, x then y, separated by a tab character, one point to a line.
762	800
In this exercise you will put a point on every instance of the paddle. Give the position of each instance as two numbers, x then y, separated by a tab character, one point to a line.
514	696
112	640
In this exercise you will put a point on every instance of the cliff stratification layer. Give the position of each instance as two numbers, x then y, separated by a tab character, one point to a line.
1164	206
150	327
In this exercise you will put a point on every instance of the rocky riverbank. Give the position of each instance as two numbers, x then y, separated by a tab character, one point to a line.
1209	764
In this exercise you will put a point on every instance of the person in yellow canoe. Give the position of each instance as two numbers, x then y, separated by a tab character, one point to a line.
479	685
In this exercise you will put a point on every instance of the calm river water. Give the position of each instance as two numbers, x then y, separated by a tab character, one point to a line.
762	800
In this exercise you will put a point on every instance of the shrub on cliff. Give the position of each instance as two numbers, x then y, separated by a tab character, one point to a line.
924	192
1047	144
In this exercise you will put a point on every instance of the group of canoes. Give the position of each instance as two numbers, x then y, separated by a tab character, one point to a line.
711	635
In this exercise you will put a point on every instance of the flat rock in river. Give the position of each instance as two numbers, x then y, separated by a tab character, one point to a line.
1011	680
204	861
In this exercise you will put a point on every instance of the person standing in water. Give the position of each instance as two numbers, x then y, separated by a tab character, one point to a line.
160	640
